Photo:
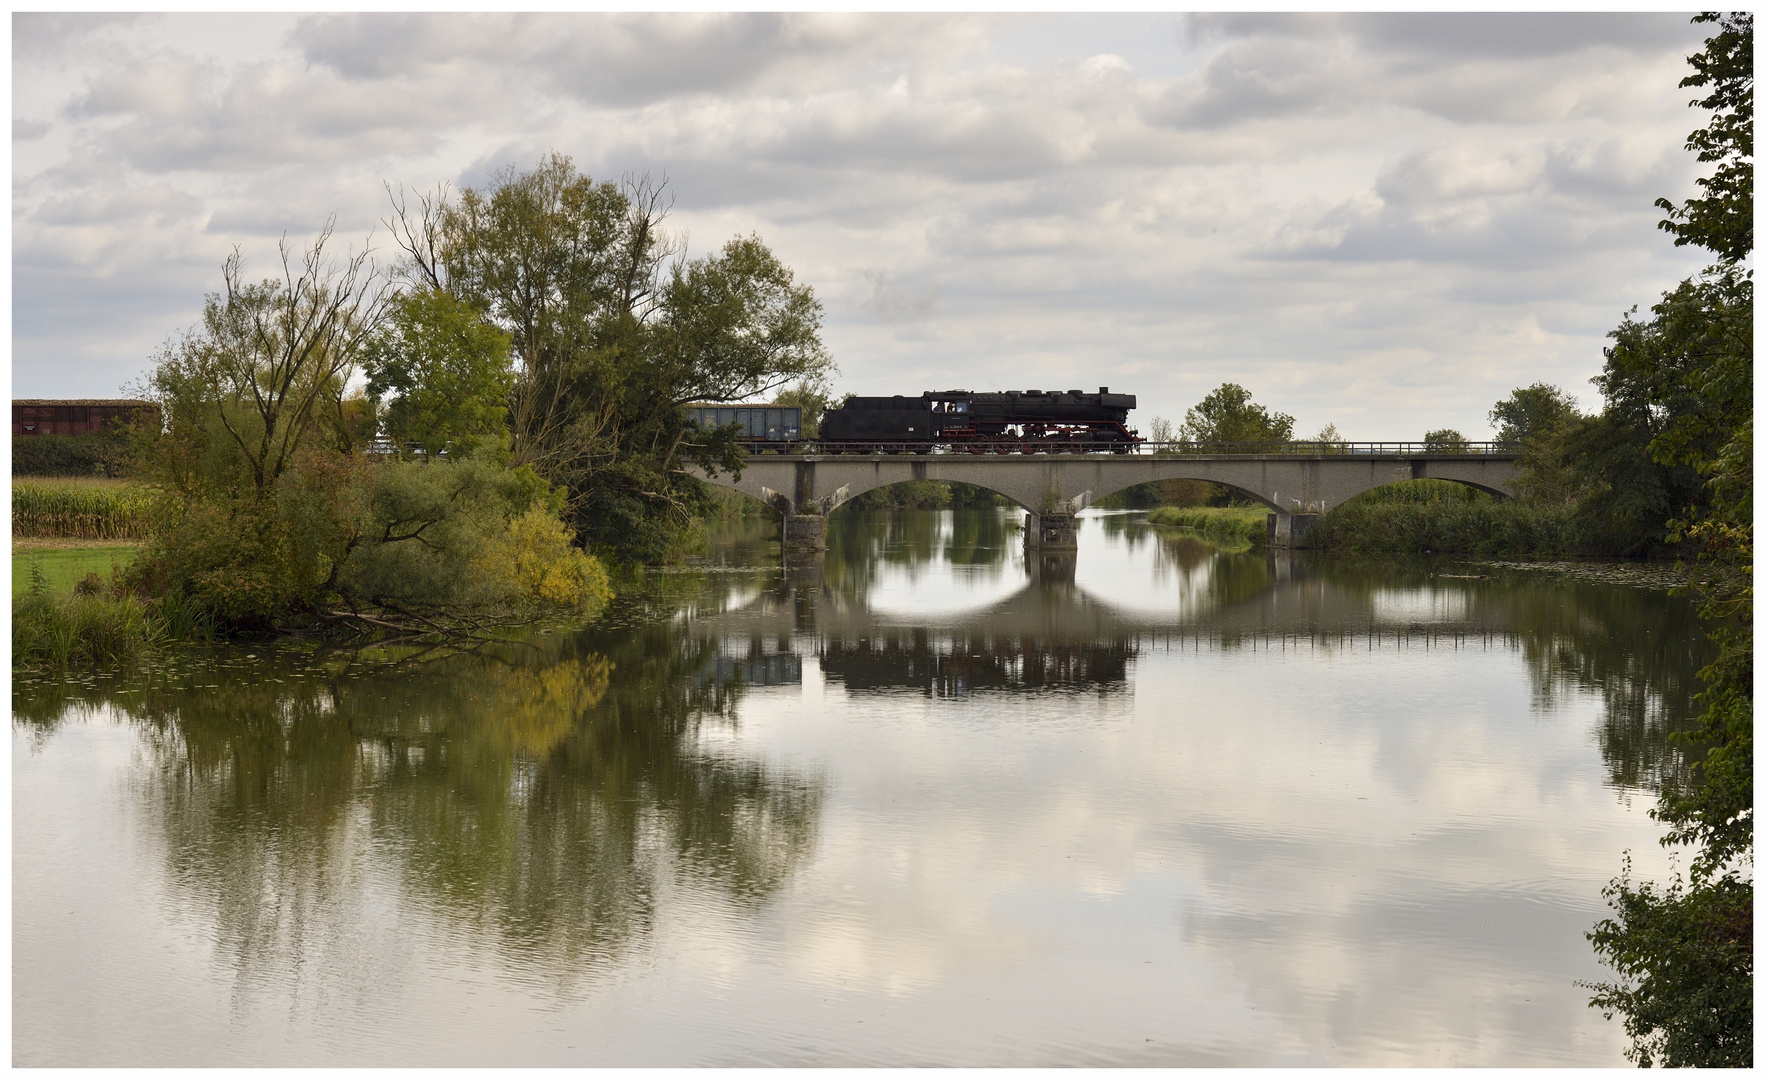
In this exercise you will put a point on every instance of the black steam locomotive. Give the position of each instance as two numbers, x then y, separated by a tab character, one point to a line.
1026	421
1013	421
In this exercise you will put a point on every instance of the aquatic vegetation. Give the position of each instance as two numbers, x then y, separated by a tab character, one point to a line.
1245	525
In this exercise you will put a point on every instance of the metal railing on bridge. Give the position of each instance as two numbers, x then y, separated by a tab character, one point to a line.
1146	449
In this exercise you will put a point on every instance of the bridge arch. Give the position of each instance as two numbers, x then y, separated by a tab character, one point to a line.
803	488
853	491
1249	493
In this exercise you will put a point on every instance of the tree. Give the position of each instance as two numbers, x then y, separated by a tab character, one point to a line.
1444	441
265	369
280	517
1227	415
1682	381
1722	220
445	369
1529	411
612	329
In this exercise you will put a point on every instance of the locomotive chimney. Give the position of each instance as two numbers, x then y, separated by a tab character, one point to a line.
1103	389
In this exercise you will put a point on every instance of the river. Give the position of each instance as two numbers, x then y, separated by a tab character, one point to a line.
923	801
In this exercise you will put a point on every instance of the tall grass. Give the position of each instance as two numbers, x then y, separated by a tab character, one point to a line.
80	509
1247	525
1482	527
1443	517
84	628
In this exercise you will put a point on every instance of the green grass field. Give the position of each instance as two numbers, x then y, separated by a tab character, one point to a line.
62	566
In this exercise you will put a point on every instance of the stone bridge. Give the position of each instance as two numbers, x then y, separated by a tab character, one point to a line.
805	488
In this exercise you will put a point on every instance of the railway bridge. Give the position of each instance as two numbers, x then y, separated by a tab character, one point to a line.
1296	486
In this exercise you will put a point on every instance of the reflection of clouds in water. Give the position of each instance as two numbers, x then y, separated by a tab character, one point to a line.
1418	605
1368	850
936	586
1133	571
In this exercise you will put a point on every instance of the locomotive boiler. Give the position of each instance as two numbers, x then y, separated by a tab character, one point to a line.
1027	421
1010	421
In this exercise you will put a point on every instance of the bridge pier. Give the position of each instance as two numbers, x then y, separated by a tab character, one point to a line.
804	532
1051	532
1288	530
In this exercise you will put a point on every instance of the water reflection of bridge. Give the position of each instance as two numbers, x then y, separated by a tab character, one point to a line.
1286	603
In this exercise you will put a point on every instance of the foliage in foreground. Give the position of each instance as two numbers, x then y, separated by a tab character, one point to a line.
97	624
278	520
337	536
1686	955
1684	380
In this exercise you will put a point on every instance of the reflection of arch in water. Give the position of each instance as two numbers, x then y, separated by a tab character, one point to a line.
964	664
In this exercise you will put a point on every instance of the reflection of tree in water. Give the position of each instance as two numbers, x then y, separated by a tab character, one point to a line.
539	797
958	665
861	542
1211	578
1638	649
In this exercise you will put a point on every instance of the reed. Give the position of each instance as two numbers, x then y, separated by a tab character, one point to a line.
81	509
1247	525
1456	527
82	629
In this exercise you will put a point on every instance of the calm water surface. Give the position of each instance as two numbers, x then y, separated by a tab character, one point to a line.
922	802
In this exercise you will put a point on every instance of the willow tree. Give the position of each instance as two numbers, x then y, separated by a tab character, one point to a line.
612	328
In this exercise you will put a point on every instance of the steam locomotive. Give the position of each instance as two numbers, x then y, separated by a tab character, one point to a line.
1012	421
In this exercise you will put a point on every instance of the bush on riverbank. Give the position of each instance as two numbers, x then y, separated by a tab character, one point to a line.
81	509
1248	525
1483	526
466	536
94	625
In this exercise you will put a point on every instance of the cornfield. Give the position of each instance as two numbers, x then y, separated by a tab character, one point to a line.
81	511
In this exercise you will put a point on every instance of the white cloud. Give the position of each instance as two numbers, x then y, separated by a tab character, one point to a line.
1351	215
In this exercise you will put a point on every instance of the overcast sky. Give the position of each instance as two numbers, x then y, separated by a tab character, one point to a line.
1386	222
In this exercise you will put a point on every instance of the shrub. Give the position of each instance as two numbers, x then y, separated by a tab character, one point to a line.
456	536
1463	527
93	626
105	452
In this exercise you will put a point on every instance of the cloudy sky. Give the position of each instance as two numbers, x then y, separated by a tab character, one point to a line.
1382	221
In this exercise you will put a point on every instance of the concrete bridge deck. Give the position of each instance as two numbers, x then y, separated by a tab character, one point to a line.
805	488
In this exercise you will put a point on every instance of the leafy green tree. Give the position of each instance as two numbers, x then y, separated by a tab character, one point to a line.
443	372
1682	381
1530	411
1227	415
613	330
278	518
1444	441
265	369
1722	220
